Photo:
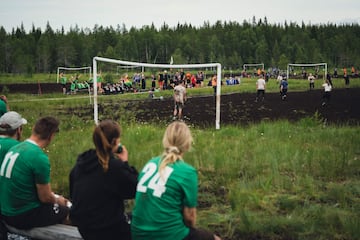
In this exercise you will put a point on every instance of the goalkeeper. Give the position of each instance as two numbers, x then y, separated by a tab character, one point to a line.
179	100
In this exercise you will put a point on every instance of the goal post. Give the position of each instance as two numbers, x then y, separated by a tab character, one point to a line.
306	65
169	66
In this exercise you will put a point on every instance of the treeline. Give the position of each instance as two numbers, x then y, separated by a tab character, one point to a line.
230	43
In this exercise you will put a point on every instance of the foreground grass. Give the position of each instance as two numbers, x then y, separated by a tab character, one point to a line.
275	180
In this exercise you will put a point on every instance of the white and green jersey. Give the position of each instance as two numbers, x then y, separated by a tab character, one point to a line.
5	144
160	200
24	166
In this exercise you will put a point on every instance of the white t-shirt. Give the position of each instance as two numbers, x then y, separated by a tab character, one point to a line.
179	93
260	83
327	87
311	78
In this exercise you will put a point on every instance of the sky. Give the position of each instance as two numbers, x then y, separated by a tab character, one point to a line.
138	13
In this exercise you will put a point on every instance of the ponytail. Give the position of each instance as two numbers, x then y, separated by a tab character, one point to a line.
104	136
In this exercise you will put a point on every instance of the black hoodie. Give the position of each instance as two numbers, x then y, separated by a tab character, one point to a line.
98	196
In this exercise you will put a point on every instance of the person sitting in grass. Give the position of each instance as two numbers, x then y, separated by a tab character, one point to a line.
99	183
26	197
166	195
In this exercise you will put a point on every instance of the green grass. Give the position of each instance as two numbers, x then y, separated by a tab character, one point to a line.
272	180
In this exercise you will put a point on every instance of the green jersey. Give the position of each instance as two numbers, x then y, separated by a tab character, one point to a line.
24	166
160	199
63	80
5	144
3	108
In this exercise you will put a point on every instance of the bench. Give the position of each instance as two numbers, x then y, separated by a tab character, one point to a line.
52	232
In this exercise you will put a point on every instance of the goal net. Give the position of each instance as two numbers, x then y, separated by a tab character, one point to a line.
120	69
79	80
73	71
97	60
255	66
302	70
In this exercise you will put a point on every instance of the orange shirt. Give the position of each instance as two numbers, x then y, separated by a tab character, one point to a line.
214	81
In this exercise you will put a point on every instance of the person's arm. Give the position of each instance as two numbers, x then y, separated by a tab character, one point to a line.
189	215
47	196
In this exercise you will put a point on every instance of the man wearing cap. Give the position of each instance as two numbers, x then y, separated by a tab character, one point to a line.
10	131
10	135
26	198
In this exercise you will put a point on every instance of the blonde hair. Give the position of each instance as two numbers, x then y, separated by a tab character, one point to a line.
104	137
176	141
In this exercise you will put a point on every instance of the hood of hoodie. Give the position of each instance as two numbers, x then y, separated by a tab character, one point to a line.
88	161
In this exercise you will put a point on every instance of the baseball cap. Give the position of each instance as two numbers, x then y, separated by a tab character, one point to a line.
13	119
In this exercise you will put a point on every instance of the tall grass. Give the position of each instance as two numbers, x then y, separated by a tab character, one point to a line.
272	180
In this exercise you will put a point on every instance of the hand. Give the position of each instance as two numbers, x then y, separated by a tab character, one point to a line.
61	200
123	156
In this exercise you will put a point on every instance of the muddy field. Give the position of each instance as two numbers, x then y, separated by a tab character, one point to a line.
239	108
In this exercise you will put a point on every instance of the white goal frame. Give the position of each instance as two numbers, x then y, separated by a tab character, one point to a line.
109	60
253	65
306	65
71	69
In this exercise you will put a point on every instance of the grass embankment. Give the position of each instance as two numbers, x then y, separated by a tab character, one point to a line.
276	180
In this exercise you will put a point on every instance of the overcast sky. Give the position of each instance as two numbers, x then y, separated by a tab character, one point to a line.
137	13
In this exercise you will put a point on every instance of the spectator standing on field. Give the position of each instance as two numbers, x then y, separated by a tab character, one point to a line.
161	81
179	100
166	195
214	83
153	82
99	183
26	198
260	89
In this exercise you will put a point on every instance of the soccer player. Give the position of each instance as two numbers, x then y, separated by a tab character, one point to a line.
10	135
260	87
166	197
311	80
283	89
63	81
179	100
26	198
327	92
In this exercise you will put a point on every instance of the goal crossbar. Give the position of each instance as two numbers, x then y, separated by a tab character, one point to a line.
170	66
253	65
